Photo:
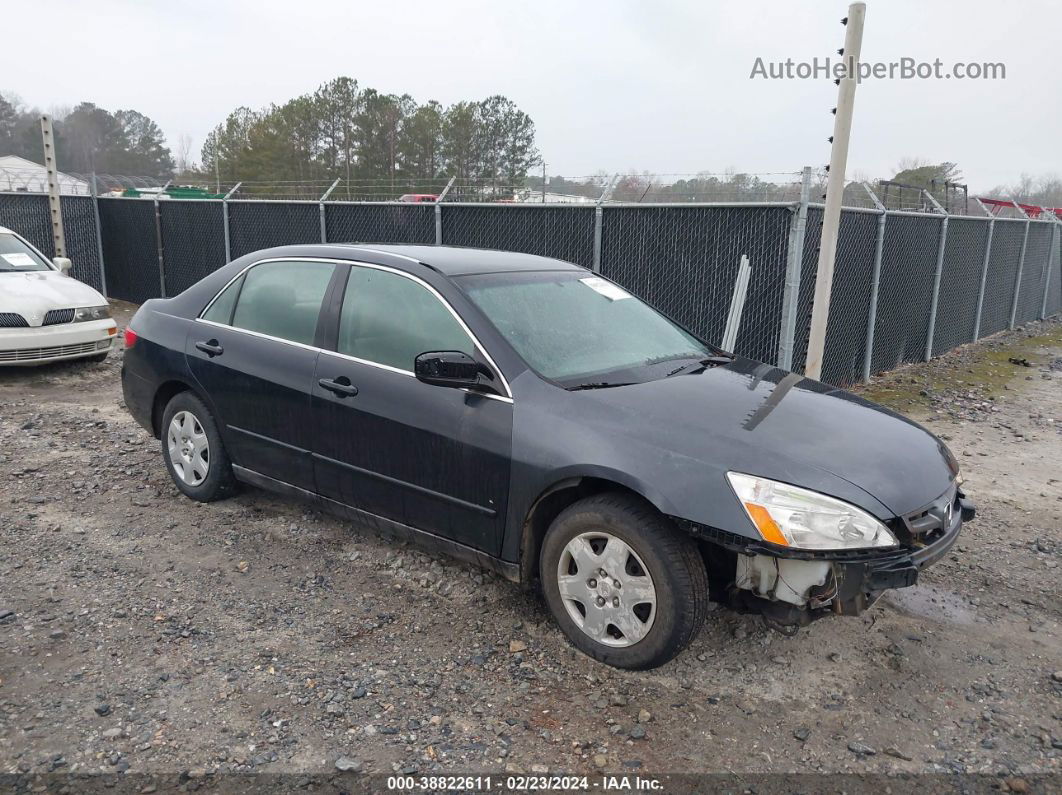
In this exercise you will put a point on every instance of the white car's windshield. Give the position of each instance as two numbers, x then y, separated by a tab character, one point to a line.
16	256
575	327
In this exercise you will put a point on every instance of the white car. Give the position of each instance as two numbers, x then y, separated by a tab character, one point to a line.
45	315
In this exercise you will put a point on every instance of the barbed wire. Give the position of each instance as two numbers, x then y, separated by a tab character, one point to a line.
702	187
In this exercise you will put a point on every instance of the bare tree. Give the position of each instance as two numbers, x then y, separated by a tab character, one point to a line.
184	153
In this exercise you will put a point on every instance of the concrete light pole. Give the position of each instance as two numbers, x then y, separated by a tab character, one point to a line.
54	190
831	217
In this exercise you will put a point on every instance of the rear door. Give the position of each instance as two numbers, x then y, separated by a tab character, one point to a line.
253	352
434	458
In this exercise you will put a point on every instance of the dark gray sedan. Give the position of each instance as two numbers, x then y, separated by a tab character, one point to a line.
535	418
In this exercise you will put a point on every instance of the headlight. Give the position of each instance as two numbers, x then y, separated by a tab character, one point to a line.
802	519
86	313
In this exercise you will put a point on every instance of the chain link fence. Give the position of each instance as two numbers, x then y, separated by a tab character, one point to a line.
907	284
129	238
193	241
1003	259
1033	272
846	332
28	214
700	249
254	225
1053	293
905	290
562	232
380	223
960	282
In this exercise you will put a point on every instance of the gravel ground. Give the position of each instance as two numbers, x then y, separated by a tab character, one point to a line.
142	632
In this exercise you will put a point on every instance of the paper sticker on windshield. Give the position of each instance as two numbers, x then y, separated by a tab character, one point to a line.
19	260
607	289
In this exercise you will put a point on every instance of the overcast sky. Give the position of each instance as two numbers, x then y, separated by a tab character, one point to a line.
656	86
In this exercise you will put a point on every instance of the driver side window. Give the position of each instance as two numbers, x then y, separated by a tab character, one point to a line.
389	319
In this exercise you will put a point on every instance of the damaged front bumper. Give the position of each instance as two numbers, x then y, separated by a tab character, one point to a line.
792	588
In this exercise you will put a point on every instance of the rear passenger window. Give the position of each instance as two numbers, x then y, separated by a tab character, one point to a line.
221	310
389	319
283	299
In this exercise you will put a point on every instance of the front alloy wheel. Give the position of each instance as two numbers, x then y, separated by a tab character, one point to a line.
624	584
606	589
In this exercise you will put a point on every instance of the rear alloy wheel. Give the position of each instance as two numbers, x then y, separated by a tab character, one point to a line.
189	449
195	456
625	585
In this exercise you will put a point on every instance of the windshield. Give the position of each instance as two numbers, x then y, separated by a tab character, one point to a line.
18	257
574	327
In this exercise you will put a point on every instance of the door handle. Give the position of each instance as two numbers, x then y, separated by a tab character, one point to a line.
211	348
340	387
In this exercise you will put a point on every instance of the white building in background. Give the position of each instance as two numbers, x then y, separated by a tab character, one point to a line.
19	175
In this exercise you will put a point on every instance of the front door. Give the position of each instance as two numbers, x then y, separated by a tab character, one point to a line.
430	457
253	353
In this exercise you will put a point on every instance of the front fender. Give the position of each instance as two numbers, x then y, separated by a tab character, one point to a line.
552	447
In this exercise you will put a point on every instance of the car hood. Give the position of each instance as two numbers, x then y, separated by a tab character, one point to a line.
759	419
33	294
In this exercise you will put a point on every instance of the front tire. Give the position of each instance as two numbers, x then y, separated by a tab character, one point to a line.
193	451
623	583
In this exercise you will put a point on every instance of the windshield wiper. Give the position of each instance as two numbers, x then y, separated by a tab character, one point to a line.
700	365
671	357
598	385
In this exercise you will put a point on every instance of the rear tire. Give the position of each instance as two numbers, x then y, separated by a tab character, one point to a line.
623	583
193	451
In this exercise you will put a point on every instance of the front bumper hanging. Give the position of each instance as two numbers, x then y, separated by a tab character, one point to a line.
795	587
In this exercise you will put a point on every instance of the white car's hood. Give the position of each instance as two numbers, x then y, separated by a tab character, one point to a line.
33	294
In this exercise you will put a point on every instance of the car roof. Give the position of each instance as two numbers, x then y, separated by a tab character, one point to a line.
461	261
5	231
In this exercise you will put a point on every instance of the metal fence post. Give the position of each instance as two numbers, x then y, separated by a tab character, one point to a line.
99	235
1021	266
599	215
1052	247
793	265
984	280
875	282
438	211
321	207
158	244
936	285
225	221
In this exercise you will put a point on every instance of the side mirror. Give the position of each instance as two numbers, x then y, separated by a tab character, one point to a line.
452	369
63	264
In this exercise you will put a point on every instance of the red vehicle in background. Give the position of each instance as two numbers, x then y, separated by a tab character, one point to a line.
419	198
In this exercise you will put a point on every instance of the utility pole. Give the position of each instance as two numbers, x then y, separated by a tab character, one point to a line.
543	181
54	202
831	217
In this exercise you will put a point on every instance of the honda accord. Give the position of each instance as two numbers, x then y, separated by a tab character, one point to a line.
532	417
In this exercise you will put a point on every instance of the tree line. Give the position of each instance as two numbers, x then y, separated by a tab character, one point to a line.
360	134
342	130
88	138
